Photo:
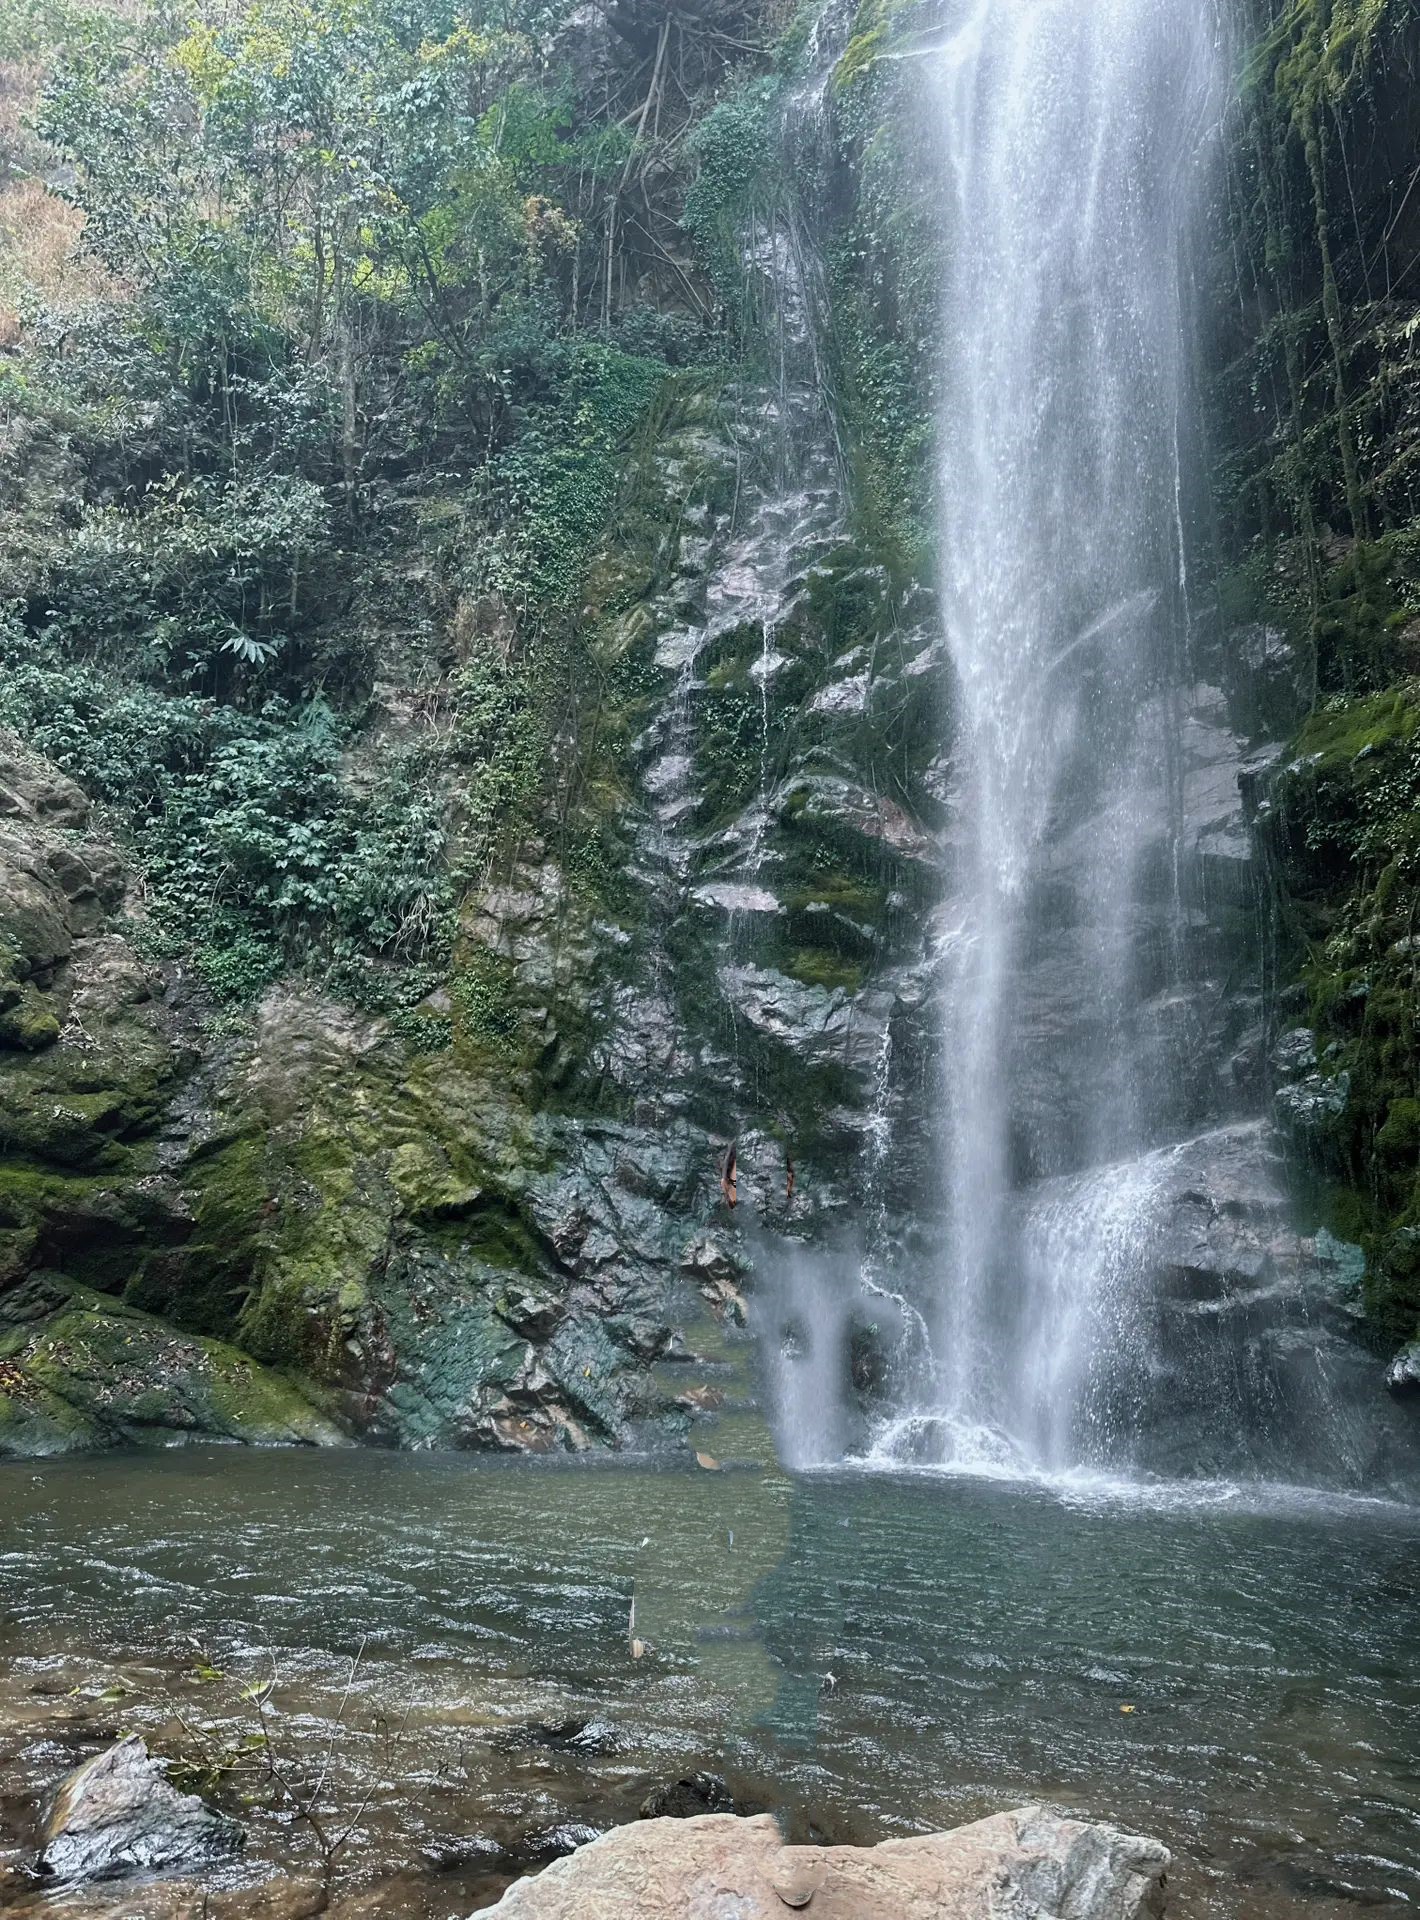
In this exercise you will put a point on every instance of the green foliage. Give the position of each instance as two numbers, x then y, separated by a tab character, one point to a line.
1315	414
343	392
885	270
556	486
1346	827
485	1001
32	29
735	152
256	849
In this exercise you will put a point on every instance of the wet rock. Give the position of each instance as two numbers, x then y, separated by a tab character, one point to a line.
1308	1100
842	696
735	897
284	1897
1030	1861
1295	1051
1402	1376
1311	1104
574	1733
1213	817
831	800
1224	1221
1270	676
718	1273
557	1841
117	1814
686	1799
1341	1269
532	1314
822	1025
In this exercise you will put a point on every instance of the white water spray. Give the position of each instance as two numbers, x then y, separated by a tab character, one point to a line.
1069	131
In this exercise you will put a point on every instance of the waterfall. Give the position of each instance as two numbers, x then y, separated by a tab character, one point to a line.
1117	1291
1070	132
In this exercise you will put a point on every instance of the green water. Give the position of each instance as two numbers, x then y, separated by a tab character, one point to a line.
867	1655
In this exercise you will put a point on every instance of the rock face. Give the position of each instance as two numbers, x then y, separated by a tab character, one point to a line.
94	1056
117	1814
1030	1862
497	1222
1218	1301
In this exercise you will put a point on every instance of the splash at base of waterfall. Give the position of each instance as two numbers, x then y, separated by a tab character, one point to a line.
932	1446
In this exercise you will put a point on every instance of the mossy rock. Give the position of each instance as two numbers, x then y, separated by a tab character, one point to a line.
30	1022
78	1370
819	967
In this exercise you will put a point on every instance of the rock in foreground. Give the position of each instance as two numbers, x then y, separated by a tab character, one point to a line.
1030	1862
118	1814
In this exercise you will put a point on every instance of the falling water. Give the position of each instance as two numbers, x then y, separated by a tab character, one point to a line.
1070	133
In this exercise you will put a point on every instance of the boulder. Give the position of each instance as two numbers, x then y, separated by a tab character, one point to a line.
80	1370
33	789
1309	1105
1027	1862
118	1814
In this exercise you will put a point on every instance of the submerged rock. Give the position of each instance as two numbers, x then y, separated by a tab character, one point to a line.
1030	1861
690	1798
118	1814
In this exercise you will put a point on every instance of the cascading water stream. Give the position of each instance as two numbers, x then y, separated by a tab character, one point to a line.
1069	133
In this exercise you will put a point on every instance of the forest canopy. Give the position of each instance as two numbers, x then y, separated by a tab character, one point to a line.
328	328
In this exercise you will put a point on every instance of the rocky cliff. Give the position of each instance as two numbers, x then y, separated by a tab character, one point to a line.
481	1200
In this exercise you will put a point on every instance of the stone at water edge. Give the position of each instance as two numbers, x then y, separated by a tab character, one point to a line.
1027	1862
1402	1376
118	1814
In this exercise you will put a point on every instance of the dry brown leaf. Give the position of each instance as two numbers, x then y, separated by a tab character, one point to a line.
729	1185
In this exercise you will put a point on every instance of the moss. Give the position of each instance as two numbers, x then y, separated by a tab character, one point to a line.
817	967
1320	50
1398	1140
1340	733
30	1023
428	1185
233	1190
29	1192
85	1220
88	1372
871	37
